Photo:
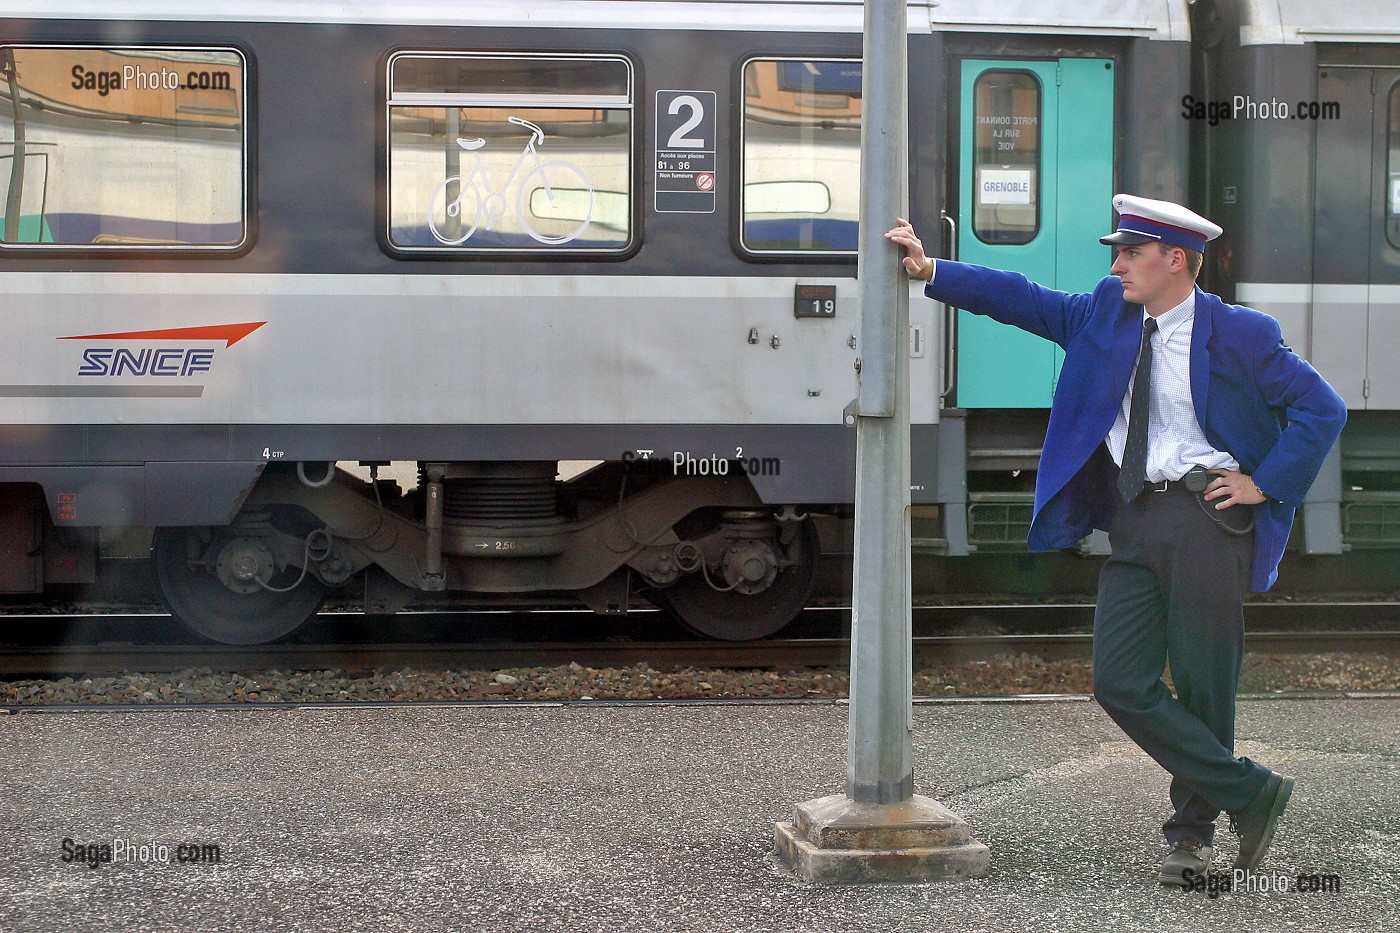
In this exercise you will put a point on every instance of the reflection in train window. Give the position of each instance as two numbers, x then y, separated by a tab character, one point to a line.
1392	177
509	152
130	148
801	184
1006	157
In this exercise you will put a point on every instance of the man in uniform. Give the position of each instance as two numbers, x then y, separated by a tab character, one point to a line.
1188	430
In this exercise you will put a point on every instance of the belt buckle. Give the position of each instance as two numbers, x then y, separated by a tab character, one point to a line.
1158	486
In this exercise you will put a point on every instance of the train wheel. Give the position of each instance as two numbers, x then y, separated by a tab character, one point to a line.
731	615
191	566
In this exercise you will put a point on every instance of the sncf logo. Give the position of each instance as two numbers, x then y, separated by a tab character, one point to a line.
167	361
121	354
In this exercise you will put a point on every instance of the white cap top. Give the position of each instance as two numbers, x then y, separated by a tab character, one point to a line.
1145	220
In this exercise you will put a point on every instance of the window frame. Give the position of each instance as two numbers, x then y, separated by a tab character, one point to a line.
740	201
247	178
459	251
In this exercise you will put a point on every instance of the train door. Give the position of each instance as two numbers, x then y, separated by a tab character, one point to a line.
1035	144
1356	245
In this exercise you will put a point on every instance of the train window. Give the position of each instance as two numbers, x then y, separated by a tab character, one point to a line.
801	169
509	153
1392	194
122	148
1006	157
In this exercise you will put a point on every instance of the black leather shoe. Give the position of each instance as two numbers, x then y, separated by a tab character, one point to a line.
1256	823
1188	860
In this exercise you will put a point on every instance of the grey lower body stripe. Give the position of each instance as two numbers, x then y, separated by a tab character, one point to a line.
101	391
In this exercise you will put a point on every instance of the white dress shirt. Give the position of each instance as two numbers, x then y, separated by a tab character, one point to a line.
1175	441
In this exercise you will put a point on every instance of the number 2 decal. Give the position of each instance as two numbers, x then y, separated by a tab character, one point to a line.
678	139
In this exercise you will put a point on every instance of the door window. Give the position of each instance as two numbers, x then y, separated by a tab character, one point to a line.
1006	157
1392	192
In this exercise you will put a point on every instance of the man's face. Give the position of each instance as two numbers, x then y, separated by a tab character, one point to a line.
1147	272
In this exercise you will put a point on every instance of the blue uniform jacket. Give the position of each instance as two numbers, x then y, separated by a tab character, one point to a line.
1254	398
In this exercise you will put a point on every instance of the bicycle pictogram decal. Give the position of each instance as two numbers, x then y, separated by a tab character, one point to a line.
465	203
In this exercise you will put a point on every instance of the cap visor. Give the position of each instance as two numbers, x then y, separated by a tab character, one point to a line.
1124	238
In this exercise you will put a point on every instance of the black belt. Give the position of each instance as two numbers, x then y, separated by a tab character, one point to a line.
1181	485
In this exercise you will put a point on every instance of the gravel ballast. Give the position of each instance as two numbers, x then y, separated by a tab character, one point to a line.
1001	676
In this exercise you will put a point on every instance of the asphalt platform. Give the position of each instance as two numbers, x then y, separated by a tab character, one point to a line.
611	817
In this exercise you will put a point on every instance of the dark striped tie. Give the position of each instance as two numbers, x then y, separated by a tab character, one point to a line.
1134	470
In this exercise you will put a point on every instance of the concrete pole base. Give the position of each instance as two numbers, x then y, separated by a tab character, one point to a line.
837	840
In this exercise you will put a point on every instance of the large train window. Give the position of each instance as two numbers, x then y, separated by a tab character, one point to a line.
1392	193
122	148
1006	157
801	169
509	153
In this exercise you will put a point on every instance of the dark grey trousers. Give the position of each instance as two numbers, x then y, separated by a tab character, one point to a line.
1173	591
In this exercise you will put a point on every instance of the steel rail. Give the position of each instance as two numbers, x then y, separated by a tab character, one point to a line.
50	661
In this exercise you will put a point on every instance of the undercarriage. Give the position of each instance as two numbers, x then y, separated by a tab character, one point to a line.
706	548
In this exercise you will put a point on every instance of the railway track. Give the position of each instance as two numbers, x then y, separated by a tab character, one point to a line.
78	657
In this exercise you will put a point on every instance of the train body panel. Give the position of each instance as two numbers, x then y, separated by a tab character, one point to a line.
1301	168
1297	148
443	349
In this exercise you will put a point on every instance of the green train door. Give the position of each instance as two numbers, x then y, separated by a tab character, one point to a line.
1035	148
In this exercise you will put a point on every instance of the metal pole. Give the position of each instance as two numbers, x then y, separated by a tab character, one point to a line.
880	760
880	830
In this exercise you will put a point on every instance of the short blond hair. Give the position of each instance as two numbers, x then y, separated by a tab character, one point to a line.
1194	259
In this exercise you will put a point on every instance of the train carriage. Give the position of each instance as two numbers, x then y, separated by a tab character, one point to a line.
483	239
